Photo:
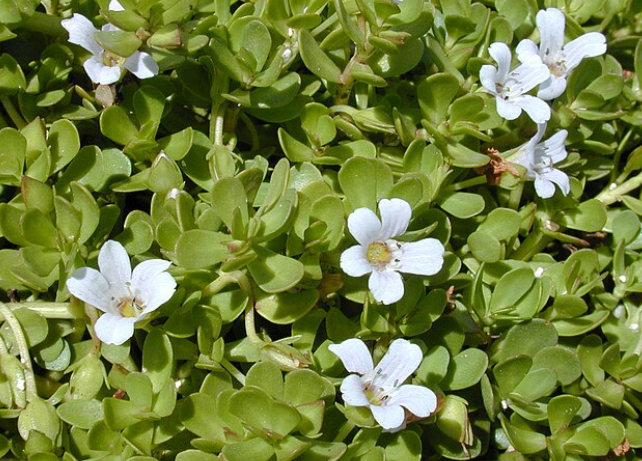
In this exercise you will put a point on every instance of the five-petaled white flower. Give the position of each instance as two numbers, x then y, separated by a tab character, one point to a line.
381	388
125	297
382	257
103	67
559	58
510	87
539	157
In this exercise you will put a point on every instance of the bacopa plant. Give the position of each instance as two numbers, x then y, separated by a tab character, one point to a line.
323	230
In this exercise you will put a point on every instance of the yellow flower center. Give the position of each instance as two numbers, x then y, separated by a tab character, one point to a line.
111	60
130	308
378	253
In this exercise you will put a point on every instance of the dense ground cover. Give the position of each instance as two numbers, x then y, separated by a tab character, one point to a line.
320	230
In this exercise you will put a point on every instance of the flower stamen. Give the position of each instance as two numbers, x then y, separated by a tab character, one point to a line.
378	254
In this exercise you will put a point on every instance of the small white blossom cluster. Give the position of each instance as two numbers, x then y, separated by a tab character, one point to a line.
383	257
124	296
547	65
382	388
102	67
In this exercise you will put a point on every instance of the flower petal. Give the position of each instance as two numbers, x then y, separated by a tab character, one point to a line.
386	286
586	46
555	146
114	264
544	187
354	262
488	78
395	217
551	23
418	400
113	329
537	109
502	55
529	75
100	73
560	178
142	65
151	284
354	355
424	257
364	226
81	32
552	88
401	360
114	5
391	418
526	50
352	392
507	109
90	286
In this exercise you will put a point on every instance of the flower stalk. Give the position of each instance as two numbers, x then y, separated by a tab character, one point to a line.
23	349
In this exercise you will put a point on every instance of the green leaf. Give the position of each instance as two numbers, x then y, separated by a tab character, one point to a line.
365	181
64	142
286	308
228	196
38	228
255	449
524	440
316	60
465	370
39	415
525	339
81	413
485	246
588	441
267	376
117	126
435	94
462	205
262	413
37	195
158	358
120	42
404	446
589	216
560	359
256	39
12	79
273	272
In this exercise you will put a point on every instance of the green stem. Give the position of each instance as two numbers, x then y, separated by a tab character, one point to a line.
614	194
23	348
254	135
619	151
217	285
240	377
92	315
515	196
533	244
250	328
476	181
344	431
64	311
12	112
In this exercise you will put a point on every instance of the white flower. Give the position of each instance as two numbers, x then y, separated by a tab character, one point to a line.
382	257
559	58
380	388
125	297
103	67
539	157
509	87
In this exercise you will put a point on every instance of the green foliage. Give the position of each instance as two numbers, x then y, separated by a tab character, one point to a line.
268	124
